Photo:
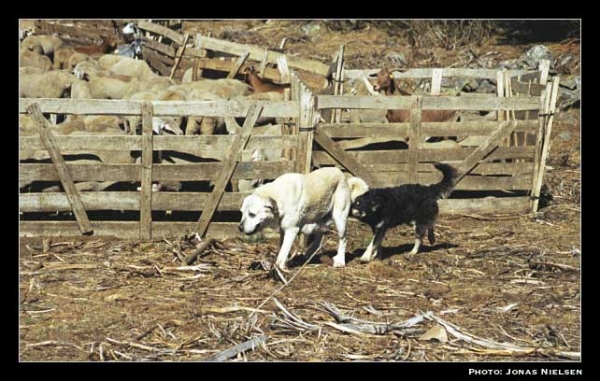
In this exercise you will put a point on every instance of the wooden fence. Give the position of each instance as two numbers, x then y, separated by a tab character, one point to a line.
504	157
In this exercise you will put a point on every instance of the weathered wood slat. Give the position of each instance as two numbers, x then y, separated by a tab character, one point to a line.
426	155
414	137
179	54
155	62
312	80
161	172
222	230
483	150
306	123
429	103
422	73
346	160
470	183
235	108
61	169
128	229
484	205
228	168
190	143
146	183
238	64
349	130
159	29
159	47
256	53
487	169
181	201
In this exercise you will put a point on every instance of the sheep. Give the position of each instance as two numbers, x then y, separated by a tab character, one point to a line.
134	68
61	57
86	69
224	88
260	85
76	58
108	60
204	125
28	58
42	44
155	95
51	84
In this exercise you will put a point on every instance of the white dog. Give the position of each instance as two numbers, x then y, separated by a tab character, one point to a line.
297	202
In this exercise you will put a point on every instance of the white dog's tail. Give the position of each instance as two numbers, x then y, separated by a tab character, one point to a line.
358	187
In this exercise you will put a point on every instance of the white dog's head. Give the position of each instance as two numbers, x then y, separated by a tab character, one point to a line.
257	212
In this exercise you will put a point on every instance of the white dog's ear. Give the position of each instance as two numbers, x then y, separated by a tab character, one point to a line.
270	205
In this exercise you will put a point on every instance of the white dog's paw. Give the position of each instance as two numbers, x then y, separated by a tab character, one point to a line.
366	257
339	262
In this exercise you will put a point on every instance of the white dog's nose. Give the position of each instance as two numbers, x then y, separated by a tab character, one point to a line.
240	227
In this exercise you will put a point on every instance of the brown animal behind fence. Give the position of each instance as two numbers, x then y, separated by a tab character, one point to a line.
260	85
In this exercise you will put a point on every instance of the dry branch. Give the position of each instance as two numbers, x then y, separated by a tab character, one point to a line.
240	348
191	258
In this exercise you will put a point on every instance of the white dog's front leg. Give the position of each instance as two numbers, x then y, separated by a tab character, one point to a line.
340	259
286	246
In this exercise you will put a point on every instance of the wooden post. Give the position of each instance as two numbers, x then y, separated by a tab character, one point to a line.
284	69
306	127
146	183
414	138
43	127
264	62
336	115
541	167
500	92
544	68
234	157
238	65
179	55
436	81
295	130
282	44
198	45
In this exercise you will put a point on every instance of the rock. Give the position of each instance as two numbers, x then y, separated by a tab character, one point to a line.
397	59
534	55
567	98
571	82
311	28
569	118
486	87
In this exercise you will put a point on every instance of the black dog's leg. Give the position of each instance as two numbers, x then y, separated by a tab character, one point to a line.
375	245
430	235
420	231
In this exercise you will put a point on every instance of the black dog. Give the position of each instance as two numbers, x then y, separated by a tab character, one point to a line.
413	204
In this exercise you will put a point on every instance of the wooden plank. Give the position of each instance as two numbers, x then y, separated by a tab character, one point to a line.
306	124
539	177
228	169
152	58
223	230
179	54
284	69
321	158
256	53
347	161
130	229
180	143
159	47
46	136
429	103
483	205
336	115
264	61
422	73
544	68
436	81
176	201
159	29
146	183
238	64
234	107
350	130
414	138
483	150
486	169
468	183
161	172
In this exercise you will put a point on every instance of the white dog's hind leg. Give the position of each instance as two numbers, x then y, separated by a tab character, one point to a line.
286	246
340	220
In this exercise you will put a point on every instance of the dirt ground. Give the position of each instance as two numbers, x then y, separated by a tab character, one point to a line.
492	288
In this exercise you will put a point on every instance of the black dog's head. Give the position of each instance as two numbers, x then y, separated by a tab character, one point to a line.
366	206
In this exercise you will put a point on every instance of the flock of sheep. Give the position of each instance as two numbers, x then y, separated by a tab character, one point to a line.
50	68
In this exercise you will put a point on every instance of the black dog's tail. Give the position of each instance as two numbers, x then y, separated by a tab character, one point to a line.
446	186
